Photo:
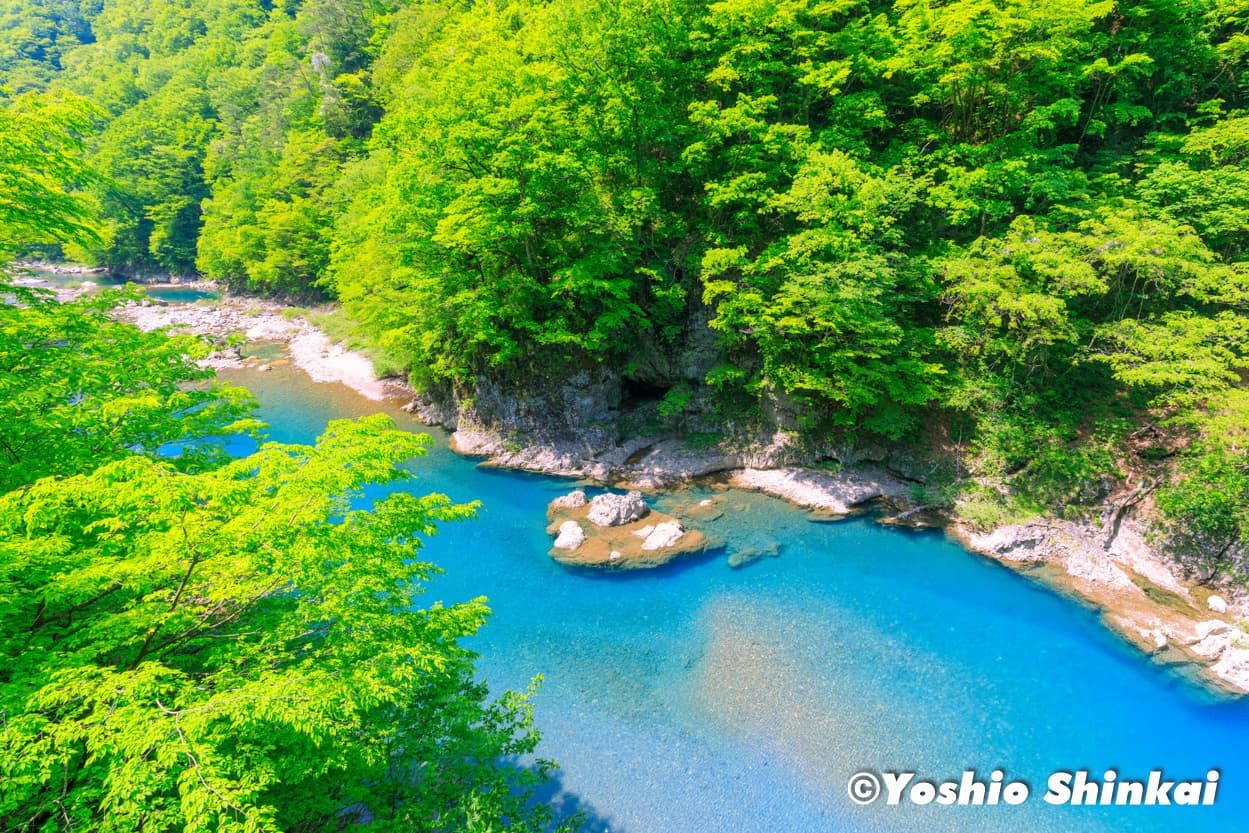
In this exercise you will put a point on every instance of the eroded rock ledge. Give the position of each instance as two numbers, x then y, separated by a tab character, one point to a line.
833	493
1134	588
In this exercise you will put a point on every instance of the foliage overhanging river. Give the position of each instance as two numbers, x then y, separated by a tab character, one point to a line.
703	698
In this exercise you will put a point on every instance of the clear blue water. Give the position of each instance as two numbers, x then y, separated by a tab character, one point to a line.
702	698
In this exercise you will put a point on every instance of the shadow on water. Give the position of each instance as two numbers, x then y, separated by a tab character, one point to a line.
569	805
556	484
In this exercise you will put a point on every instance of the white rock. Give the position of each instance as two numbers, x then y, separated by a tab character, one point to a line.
1233	667
571	536
1133	551
665	534
835	493
1093	565
614	555
573	500
617	510
1217	603
1214	638
707	502
644	531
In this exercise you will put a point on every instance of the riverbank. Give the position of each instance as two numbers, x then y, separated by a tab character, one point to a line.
266	323
1137	591
1108	566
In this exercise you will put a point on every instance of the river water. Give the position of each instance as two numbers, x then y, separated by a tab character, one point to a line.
699	698
168	293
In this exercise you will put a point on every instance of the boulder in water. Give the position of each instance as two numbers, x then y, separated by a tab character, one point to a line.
617	510
741	558
629	545
571	536
572	500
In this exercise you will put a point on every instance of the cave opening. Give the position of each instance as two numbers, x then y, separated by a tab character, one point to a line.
635	392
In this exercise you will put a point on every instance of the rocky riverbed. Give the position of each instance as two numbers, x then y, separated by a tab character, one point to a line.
252	320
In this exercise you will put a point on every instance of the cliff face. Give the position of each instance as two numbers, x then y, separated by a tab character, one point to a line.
595	424
648	420
602	404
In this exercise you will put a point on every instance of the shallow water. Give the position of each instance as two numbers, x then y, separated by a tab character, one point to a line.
704	698
168	293
65	279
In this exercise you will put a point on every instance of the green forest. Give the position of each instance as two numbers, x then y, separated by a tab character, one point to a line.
1011	232
1024	222
192	640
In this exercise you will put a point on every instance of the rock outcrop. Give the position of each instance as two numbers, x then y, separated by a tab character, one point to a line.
637	537
572	500
616	510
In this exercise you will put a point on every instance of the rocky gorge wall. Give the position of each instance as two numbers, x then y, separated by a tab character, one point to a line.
580	427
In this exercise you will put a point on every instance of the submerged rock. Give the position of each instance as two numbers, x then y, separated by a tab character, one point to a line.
571	536
704	510
617	510
741	558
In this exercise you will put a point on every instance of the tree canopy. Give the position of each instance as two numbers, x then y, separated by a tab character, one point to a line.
197	642
1022	222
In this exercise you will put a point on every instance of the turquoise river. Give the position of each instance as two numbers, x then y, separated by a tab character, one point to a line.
703	699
